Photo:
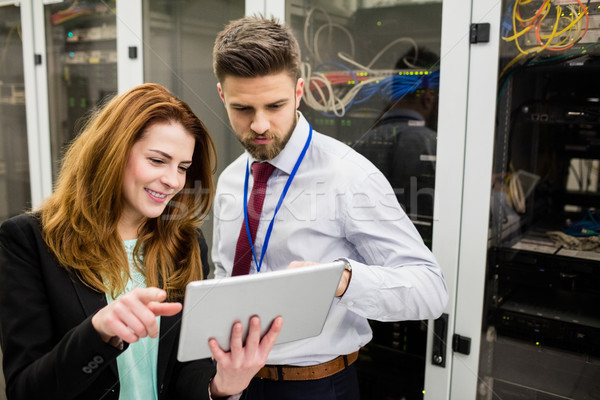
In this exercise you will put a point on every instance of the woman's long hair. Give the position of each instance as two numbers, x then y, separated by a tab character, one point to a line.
80	219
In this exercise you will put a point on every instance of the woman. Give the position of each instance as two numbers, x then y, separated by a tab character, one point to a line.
84	277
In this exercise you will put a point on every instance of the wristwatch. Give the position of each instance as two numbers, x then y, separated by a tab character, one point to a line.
347	265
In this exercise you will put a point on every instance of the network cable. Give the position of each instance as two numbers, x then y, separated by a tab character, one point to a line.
567	27
333	87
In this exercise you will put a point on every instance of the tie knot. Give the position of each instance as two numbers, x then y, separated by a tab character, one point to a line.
262	171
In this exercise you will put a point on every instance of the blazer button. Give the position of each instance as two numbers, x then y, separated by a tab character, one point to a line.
92	365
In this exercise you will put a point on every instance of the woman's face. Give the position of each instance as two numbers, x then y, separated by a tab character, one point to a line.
155	172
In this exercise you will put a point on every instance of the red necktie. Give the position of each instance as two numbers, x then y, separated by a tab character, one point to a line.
243	252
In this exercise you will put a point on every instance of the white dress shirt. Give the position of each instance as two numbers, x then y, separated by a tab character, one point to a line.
338	205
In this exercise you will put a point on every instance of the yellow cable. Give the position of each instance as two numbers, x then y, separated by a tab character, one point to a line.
545	5
71	7
516	35
514	21
545	45
571	35
570	25
511	63
546	9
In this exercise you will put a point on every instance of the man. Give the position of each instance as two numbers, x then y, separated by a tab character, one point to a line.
333	203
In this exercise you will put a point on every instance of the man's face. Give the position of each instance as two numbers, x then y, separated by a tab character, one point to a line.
262	111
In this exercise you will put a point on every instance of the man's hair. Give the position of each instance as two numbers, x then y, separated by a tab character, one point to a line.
255	46
80	218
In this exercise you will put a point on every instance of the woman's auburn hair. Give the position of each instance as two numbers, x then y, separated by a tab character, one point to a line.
79	220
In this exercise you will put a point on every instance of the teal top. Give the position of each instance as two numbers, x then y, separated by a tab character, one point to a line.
137	365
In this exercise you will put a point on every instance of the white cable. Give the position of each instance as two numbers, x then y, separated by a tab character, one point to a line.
310	44
328	98
349	60
368	67
331	25
402	39
516	195
330	102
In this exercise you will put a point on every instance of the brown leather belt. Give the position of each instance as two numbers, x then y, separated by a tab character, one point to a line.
311	372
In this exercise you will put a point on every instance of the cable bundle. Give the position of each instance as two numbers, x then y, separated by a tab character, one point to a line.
571	24
333	87
329	93
568	25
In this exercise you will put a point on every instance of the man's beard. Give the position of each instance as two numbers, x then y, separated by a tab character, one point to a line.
265	152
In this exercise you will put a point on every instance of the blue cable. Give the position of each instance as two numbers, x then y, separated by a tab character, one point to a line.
392	88
588	226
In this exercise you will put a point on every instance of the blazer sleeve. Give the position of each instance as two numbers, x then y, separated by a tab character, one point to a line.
41	361
197	375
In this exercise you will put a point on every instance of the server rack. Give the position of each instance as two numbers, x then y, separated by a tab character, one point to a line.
359	53
541	324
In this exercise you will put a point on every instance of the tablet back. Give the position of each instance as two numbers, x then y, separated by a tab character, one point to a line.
302	296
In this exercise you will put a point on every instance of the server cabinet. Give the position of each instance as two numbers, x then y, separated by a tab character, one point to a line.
539	265
373	74
81	53
543	266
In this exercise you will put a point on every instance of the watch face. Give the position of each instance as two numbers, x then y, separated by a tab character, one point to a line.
347	265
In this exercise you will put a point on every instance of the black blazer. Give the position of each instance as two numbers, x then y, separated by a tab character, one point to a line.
50	348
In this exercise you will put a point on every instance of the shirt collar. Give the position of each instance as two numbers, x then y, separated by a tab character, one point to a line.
286	160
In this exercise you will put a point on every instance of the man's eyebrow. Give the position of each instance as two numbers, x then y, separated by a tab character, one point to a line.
168	156
240	105
281	101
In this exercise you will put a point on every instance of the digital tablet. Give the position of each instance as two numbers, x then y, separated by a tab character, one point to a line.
302	296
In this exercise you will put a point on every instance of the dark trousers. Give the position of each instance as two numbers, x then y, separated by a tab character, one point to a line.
341	386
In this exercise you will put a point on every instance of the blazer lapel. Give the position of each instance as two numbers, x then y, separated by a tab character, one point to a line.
90	300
